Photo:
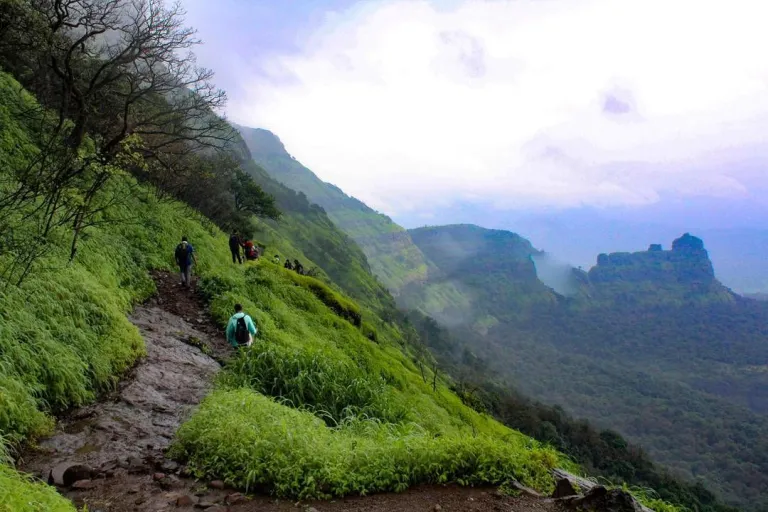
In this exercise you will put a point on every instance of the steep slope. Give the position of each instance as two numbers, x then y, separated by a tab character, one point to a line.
652	331
393	257
315	408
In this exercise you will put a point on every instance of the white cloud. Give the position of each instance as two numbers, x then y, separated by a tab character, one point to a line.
408	105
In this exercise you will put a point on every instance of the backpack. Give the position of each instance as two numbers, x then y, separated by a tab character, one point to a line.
241	331
181	254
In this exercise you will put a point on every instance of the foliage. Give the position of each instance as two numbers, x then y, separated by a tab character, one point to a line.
343	307
600	452
19	493
254	443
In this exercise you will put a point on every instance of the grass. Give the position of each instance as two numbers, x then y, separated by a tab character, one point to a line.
255	443
19	493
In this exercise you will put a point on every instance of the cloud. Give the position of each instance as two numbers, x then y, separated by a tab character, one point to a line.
411	105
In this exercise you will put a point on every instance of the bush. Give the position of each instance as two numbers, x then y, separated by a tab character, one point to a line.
19	493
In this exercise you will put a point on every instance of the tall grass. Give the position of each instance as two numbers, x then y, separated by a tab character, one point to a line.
19	493
254	443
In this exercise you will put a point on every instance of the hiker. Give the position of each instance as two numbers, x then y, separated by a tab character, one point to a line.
288	265
234	247
240	329
276	259
297	267
185	255
251	253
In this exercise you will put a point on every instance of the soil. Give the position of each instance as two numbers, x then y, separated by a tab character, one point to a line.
121	440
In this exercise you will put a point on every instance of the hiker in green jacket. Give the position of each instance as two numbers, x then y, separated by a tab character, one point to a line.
240	329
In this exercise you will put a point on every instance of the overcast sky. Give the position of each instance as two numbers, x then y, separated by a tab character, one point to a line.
413	105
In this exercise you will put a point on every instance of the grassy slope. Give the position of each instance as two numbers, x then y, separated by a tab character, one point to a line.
391	253
75	341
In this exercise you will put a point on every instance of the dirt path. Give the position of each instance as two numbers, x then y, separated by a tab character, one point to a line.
110	455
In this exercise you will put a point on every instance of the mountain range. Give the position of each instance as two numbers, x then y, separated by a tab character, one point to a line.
648	342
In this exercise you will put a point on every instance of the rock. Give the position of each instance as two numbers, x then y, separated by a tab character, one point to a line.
564	488
158	476
170	466
216	484
578	483
84	484
437	507
600	499
217	508
186	500
204	504
523	489
109	473
67	473
234	498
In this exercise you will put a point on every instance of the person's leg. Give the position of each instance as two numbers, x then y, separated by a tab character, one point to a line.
235	256
182	271
188	275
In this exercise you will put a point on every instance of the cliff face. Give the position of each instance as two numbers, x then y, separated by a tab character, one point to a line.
683	273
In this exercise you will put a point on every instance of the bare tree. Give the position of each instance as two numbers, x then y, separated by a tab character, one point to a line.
123	82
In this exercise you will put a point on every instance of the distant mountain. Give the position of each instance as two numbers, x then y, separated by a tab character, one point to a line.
477	276
393	257
649	343
682	275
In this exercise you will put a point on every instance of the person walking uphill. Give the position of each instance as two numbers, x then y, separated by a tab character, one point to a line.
185	255
240	329
234	247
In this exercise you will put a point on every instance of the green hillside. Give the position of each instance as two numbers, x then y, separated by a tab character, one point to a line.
362	416
652	331
478	276
393	257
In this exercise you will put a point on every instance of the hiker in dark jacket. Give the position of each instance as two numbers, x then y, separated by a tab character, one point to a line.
234	247
288	264
185	255
240	329
298	267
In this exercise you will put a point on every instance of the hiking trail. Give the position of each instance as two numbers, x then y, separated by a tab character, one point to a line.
110	455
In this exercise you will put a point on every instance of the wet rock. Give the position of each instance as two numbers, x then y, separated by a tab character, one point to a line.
564	488
578	483
67	473
83	484
169	466
216	484
523	489
186	501
235	498
600	499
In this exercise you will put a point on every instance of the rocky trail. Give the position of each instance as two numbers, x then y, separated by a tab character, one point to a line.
110	455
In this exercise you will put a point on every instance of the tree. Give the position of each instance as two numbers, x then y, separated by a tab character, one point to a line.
121	71
251	198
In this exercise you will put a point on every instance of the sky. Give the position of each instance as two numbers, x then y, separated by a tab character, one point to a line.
414	106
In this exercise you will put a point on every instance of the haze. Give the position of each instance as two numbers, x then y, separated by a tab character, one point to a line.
483	111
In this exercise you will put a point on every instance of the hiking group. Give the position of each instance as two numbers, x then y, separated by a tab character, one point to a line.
249	250
240	328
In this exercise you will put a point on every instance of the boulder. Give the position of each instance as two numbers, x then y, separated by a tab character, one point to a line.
564	488
600	499
67	473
